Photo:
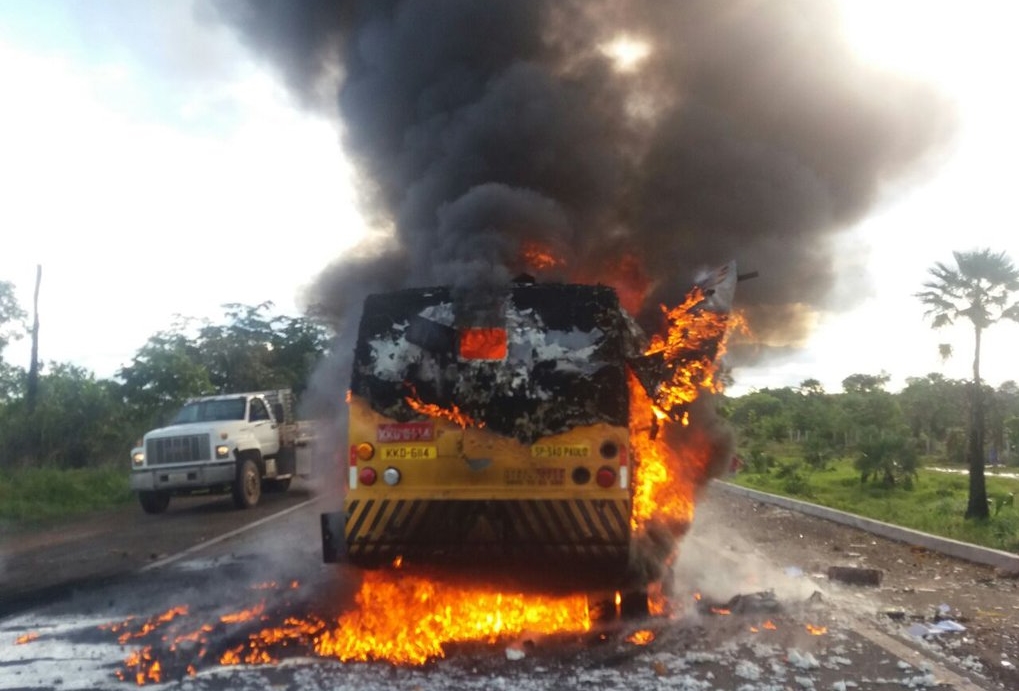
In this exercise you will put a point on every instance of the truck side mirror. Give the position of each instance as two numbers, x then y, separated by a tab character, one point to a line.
277	411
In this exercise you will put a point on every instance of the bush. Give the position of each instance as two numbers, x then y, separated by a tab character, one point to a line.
760	461
890	457
34	494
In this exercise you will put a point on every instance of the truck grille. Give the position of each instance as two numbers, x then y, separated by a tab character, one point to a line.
193	447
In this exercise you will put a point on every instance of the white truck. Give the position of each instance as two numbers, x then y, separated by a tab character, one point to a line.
243	443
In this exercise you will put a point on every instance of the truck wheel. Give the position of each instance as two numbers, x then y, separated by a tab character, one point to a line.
276	486
154	502
248	485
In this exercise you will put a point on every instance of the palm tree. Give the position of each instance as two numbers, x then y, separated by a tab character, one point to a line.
979	289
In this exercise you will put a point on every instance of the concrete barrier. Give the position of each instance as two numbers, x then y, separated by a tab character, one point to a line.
1005	561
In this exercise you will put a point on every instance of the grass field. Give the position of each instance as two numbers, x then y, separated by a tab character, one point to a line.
36	495
935	503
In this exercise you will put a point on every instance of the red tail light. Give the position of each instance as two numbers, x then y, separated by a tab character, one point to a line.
367	476
605	477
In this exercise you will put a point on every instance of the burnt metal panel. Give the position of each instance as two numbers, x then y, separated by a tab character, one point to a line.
565	367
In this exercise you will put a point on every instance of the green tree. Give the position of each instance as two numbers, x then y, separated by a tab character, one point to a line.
932	405
978	289
163	374
78	421
12	327
251	350
865	383
12	317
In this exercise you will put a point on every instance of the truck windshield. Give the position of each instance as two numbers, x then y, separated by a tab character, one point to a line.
209	411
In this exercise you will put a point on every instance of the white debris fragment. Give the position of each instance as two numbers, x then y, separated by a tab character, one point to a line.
805	682
843	685
903	665
925	680
747	670
802	660
514	653
919	630
695	656
836	661
765	650
972	663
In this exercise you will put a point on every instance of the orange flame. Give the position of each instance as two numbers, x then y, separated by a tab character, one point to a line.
624	273
142	667
407	619
663	491
722	611
817	630
691	329
148	627
642	637
483	343
770	625
672	463
657	602
26	638
453	413
244	615
539	257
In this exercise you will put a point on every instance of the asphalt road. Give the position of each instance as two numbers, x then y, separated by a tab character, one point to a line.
176	602
46	564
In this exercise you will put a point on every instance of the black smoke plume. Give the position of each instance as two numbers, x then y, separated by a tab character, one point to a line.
749	131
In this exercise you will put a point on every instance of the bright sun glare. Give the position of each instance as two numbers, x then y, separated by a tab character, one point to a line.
626	52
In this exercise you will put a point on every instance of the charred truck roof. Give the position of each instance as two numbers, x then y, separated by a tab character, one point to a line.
526	362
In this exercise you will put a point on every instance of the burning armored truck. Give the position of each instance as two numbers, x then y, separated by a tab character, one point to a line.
521	427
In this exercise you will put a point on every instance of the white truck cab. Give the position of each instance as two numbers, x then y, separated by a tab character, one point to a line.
240	443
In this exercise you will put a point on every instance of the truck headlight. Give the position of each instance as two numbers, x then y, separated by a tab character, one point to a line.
138	458
222	451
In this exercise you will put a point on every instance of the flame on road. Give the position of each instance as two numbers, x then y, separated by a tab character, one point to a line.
407	619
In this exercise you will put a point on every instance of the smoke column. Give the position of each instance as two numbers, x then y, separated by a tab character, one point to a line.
639	141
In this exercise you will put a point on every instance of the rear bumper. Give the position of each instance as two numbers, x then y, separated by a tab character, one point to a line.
546	531
183	478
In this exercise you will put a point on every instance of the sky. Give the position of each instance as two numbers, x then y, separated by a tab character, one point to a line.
155	168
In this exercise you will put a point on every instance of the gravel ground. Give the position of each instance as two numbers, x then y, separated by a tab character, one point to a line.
917	589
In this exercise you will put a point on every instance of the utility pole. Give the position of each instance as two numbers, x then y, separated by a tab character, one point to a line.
32	392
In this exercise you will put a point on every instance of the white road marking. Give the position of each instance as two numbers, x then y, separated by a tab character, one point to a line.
225	536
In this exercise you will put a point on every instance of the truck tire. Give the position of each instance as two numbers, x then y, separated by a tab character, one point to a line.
154	502
276	486
247	489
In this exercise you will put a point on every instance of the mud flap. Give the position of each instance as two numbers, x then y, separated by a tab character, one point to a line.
334	544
